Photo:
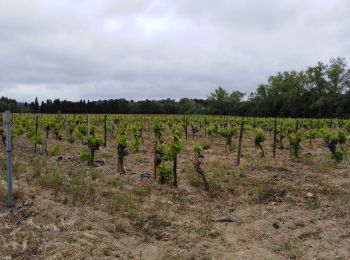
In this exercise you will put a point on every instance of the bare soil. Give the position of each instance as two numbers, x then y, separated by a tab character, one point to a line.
267	208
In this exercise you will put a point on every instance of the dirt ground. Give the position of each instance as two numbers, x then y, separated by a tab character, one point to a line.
266	208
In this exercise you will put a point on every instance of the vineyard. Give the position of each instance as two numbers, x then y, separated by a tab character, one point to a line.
176	187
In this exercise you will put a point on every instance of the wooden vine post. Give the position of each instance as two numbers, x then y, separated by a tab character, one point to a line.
88	128
105	128
186	127
198	130
155	160
297	125
175	171
36	131
240	142
274	138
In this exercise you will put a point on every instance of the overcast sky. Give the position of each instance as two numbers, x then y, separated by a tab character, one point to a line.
138	49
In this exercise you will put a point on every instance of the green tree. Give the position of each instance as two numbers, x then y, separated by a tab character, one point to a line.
224	103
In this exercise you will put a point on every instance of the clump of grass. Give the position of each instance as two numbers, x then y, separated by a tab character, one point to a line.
206	144
18	169
19	194
106	155
314	201
142	190
192	177
219	168
257	194
39	165
85	156
194	181
117	182
3	193
3	164
81	193
215	185
55	150
122	203
120	225
94	174
206	216
80	190
53	181
262	193
293	251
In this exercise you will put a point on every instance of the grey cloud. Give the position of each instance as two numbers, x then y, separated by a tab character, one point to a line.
139	49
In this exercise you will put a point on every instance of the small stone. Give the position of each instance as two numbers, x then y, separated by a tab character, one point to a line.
227	219
100	162
145	176
309	194
276	225
59	158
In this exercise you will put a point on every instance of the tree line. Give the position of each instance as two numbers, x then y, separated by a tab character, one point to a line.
322	90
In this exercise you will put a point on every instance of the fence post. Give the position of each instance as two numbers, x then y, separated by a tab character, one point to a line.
240	143
9	159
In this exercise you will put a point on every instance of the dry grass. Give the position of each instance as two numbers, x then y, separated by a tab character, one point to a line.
101	214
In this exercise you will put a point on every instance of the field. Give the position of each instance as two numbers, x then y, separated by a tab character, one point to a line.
71	205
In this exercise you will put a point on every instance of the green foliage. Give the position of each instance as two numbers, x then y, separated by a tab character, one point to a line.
223	102
57	134
96	142
175	147
85	156
329	137
38	139
338	155
137	133
312	134
122	140
18	130
81	132
342	137
198	150
332	139
228	132
294	141
158	129
165	174
135	144
259	137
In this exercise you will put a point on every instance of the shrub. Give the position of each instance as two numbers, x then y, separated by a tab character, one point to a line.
331	140
260	138
294	141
